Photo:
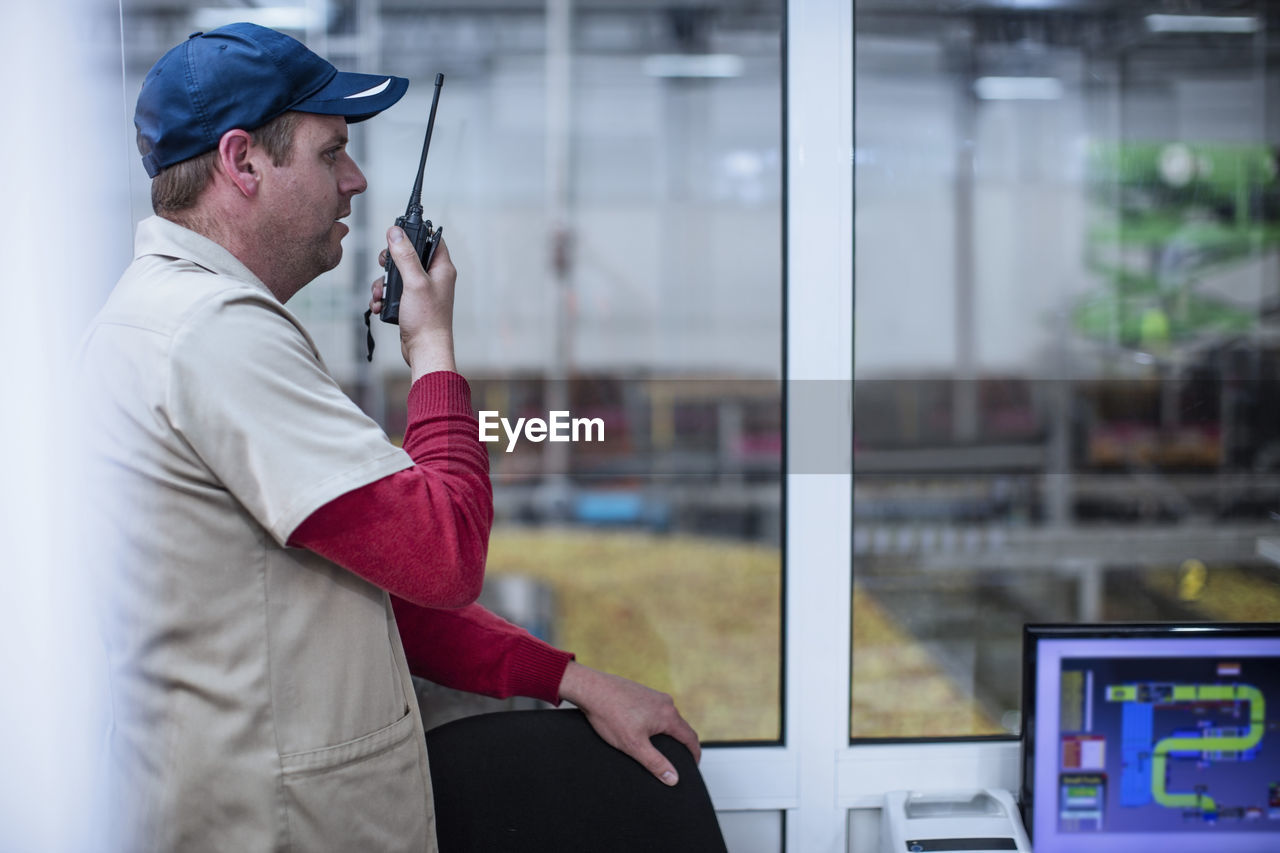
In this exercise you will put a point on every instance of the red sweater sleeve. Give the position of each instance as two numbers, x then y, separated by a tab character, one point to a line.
422	534
472	649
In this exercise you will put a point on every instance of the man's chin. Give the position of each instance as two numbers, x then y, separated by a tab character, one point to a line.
334	256
333	259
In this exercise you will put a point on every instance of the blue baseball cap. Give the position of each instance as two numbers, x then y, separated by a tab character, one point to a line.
242	76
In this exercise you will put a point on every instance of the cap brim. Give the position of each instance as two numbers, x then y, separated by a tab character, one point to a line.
355	96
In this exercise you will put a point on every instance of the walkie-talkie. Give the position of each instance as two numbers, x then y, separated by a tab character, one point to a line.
420	232
424	237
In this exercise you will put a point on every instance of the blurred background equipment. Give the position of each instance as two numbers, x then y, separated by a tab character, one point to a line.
1067	267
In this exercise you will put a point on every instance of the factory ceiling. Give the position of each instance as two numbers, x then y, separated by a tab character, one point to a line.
979	36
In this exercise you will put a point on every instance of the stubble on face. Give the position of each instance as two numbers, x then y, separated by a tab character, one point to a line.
307	200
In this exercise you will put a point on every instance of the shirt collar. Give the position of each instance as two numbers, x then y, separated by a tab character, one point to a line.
159	236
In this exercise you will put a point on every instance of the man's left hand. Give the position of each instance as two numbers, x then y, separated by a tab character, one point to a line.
627	714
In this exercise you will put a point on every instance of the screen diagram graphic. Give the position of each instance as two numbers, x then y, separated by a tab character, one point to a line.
1168	744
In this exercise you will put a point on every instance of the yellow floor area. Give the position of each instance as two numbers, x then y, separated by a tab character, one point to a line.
898	689
697	618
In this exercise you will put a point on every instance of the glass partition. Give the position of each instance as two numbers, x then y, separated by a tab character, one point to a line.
1067	275
610	182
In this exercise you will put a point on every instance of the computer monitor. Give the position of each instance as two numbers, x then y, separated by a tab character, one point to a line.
1151	737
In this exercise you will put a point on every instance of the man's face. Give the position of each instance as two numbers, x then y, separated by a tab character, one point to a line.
305	198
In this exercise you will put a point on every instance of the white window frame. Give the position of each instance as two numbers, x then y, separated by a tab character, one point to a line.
816	777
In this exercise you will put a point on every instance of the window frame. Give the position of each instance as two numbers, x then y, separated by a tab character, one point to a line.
817	776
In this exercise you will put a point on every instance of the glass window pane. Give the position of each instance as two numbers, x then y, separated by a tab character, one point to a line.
1067	269
609	181
620	276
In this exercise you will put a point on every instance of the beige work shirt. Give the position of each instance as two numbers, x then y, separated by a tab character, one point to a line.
259	693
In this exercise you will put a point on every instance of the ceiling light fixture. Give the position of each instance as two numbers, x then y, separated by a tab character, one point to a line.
1018	88
694	65
273	17
1202	23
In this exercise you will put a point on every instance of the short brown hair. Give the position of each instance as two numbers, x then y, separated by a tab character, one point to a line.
178	187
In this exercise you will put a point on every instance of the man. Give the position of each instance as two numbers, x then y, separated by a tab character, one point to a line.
278	568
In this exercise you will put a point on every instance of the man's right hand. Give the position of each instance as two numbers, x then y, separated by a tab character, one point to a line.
626	714
426	306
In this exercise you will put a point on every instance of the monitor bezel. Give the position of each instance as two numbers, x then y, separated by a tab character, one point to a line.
1033	633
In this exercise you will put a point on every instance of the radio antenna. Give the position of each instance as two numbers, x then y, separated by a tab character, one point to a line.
414	212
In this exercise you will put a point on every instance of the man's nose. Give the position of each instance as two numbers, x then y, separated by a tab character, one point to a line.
353	182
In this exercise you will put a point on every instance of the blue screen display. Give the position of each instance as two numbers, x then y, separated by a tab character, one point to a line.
1172	741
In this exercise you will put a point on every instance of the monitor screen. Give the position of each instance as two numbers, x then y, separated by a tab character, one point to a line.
1151	737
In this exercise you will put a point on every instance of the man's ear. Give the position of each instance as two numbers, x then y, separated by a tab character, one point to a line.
238	160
